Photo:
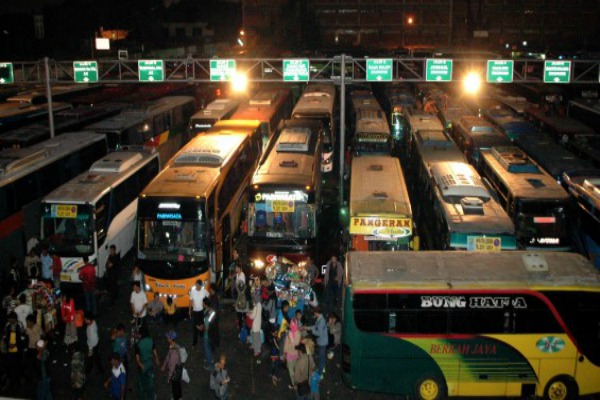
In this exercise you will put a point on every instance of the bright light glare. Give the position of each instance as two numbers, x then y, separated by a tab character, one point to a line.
239	83
472	83
240	42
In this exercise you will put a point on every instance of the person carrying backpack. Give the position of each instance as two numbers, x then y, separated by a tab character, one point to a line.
175	366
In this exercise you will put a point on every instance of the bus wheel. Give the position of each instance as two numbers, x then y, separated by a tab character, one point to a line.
561	388
430	388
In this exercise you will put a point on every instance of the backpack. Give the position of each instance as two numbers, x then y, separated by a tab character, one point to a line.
183	355
241	303
244	335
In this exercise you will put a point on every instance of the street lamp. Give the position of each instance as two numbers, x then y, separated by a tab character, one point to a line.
410	21
239	83
472	83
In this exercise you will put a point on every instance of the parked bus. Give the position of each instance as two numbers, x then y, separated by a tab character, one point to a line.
69	120
537	204
13	115
372	133
584	188
269	106
189	216
318	102
507	122
586	111
559	126
285	196
474	134
552	157
27	175
460	213
97	209
161	124
380	211
215	111
586	147
432	325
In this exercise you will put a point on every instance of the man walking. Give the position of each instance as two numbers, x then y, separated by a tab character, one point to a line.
113	264
88	279
334	275
197	295
320	331
93	343
145	353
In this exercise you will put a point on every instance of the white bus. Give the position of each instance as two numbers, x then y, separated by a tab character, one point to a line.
217	110
96	209
318	103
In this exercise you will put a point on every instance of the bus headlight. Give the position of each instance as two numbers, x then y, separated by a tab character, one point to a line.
301	264
259	264
147	288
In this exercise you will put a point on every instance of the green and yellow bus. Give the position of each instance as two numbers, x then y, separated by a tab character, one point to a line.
431	325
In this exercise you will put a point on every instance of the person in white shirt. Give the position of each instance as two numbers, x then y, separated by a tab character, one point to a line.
256	316
92	343
139	302
46	261
23	310
197	295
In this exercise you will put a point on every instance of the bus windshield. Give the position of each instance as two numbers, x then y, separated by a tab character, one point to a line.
68	229
294	219
542	219
172	240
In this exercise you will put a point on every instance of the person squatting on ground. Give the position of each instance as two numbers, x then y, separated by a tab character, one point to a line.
219	379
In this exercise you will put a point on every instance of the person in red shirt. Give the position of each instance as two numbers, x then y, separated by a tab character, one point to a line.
56	270
67	313
88	280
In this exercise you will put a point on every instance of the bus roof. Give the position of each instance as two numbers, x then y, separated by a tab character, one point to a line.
316	99
262	106
461	270
131	117
371	121
525	180
436	146
466	203
194	170
378	187
102	176
423	121
559	124
216	110
245	126
288	163
15	163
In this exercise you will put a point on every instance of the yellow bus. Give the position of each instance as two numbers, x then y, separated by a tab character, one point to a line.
380	211
430	325
190	215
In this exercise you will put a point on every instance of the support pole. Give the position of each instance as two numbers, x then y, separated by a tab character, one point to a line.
342	127
49	97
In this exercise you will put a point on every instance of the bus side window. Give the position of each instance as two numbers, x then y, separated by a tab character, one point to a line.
102	208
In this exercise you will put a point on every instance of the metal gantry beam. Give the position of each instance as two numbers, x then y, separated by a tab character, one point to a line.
197	70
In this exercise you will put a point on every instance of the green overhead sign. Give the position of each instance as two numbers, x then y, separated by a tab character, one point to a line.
296	70
380	69
85	71
151	70
557	71
7	74
438	70
500	71
222	70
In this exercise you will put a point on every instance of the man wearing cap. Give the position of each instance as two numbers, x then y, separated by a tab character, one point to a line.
197	295
172	360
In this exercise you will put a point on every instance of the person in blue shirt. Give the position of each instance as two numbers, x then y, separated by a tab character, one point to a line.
116	383
320	331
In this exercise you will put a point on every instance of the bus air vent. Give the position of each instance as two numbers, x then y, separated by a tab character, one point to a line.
13	159
534	262
376	167
472	205
199	159
288	164
380	195
116	162
91	179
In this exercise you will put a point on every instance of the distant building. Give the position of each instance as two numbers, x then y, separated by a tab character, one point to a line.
439	22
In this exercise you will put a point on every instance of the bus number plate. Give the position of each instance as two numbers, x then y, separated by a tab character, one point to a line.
484	244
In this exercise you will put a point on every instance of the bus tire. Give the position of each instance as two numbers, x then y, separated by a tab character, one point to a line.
561	387
430	388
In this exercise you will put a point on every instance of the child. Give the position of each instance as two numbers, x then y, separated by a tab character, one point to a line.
334	327
119	344
116	382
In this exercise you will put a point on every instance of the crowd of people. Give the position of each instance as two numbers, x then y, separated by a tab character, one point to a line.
297	340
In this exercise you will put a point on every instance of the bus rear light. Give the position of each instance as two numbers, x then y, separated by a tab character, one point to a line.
544	220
